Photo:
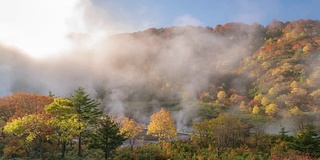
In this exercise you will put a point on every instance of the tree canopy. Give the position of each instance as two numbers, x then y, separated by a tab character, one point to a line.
162	126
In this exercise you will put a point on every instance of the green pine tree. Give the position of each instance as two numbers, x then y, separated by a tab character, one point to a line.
307	142
106	136
88	111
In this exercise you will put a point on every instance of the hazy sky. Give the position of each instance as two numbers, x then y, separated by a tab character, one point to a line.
163	13
47	27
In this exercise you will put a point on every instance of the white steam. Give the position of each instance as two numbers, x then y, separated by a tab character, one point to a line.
133	74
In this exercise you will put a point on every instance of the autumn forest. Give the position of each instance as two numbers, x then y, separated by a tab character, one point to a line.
235	91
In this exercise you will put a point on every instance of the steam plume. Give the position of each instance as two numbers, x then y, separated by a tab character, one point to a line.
133	74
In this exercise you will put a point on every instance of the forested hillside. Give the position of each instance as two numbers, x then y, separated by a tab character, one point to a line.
238	90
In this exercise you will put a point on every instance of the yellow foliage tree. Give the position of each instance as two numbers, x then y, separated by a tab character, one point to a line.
221	95
307	48
272	91
131	129
265	101
65	120
258	97
33	131
271	109
255	110
162	126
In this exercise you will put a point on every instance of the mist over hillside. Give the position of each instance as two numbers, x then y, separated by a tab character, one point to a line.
135	74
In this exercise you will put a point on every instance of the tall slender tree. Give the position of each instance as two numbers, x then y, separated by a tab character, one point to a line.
88	111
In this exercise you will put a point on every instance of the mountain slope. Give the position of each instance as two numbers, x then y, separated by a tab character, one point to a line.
285	70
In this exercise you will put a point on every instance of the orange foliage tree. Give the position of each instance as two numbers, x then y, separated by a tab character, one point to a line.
131	129
26	110
21	104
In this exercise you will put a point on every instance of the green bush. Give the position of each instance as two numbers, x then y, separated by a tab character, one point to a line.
144	152
125	153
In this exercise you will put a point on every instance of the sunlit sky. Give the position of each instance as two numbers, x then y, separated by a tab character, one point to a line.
47	27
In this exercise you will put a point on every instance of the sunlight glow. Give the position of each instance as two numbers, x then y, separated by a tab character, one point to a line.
36	27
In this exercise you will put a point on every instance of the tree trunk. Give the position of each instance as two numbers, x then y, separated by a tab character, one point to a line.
132	141
40	148
218	151
79	147
29	152
63	149
79	142
106	154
